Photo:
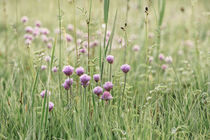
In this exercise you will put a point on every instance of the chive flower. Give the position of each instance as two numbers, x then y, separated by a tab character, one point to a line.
106	96
98	90
80	71
68	70
108	86
84	79
125	68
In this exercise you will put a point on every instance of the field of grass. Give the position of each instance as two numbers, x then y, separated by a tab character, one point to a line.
53	52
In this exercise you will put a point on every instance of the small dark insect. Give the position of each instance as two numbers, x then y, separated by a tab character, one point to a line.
182	9
146	9
125	24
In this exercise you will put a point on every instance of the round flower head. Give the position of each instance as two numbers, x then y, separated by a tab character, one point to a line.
161	57
110	59
49	45
55	69
83	50
98	90
42	94
44	31
80	71
96	77
27	42
28	36
150	59
47	58
29	29
36	31
108	86
67	84
68	70
24	19
94	44
136	48
43	67
44	38
51	105
68	38
164	67
70	27
84	79
125	68
169	59
38	23
106	96
85	44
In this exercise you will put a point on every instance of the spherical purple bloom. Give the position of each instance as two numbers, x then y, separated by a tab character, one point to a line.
110	59
51	105
67	84
44	38
96	77
136	48
36	31
106	96
68	70
125	68
27	42
43	67
42	94
80	71
38	23
84	79
108	86
29	29
83	50
168	59
49	45
24	19
94	44
70	27
98	90
55	69
161	57
164	67
44	31
68	38
47	58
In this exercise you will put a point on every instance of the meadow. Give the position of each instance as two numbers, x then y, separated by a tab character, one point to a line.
104	69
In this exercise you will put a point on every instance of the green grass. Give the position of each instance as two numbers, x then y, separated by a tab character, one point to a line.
155	104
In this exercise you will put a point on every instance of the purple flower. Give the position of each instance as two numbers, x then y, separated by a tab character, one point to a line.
125	68
108	86
80	71
70	27
136	48
110	59
106	96
67	84
24	19
49	45
84	79
43	67
168	59
96	77
55	69
42	94
38	23
51	105
68	70
98	90
44	31
27	42
164	67
161	57
83	50
69	38
94	44
47	58
29	29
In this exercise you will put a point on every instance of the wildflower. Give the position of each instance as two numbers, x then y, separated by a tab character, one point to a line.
161	57
106	96
24	19
44	38
94	44
108	86
70	27
49	45
96	77
67	84
84	79
83	50
98	90
42	94
43	67
38	23
68	38
150	59
51	105
47	58
125	68
28	42
55	69
110	59
80	71
136	48
29	29
164	67
169	59
68	70
44	31
36	31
